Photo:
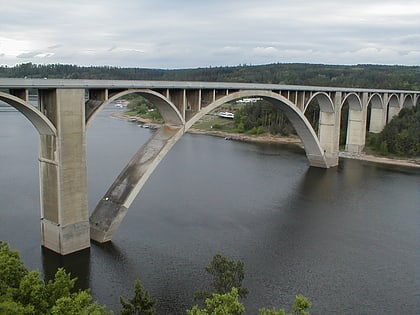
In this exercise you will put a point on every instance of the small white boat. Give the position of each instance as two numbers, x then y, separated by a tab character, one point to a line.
226	115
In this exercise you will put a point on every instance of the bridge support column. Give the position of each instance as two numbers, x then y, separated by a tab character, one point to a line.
327	138
377	120
356	131
63	179
392	112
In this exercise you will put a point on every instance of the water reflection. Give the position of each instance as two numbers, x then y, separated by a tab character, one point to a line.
78	264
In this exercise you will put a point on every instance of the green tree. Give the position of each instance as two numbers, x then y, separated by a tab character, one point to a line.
300	307
220	304
140	304
12	269
226	274
23	292
79	303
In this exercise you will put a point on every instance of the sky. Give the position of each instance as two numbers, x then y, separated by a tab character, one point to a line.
171	34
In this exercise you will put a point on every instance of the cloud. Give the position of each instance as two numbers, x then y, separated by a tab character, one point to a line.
192	33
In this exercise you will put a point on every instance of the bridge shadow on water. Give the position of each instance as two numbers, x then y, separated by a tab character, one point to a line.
78	264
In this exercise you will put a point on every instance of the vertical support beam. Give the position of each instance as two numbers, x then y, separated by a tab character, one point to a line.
63	179
356	128
207	97
193	103
300	100
21	93
96	99
178	98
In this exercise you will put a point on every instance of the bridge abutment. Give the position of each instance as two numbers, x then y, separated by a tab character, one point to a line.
63	177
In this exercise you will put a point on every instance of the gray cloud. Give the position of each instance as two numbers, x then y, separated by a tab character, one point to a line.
186	33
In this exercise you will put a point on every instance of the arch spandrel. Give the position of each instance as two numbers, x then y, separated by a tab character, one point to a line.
39	120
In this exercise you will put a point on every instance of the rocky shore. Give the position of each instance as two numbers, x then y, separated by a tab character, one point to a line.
281	140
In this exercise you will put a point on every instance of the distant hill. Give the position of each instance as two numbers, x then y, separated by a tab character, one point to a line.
364	76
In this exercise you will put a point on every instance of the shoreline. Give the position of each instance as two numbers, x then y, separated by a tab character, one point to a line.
295	140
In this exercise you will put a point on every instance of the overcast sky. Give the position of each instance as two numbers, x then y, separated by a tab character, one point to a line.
194	33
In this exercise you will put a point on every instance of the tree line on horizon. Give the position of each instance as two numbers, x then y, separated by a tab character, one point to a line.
361	76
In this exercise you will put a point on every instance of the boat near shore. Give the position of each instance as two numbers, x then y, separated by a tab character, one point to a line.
281	140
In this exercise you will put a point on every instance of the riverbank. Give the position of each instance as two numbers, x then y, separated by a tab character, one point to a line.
266	138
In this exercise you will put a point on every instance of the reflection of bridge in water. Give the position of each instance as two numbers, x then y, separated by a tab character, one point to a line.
67	107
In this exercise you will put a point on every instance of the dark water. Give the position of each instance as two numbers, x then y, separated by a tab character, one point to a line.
347	238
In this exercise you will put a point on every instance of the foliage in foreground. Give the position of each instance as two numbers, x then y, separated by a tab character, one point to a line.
226	289
226	274
140	304
23	292
229	304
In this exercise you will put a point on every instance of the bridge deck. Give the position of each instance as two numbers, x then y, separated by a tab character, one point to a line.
19	83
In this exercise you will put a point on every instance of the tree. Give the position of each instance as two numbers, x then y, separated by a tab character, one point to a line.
220	304
300	307
227	274
23	292
140	304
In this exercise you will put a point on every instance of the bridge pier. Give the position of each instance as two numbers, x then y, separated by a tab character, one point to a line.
63	179
377	120
356	131
327	138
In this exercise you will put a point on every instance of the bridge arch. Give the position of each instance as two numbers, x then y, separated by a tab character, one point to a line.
352	123
354	101
393	106
408	101
376	100
325	102
375	113
38	120
167	109
113	207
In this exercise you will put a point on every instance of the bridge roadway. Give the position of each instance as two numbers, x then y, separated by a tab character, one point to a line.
67	107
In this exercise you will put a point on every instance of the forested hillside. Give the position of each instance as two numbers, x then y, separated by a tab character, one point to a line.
366	76
401	137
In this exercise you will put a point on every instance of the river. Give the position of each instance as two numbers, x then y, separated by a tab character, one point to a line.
347	237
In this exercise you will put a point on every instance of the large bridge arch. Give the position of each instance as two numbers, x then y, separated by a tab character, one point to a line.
113	207
41	123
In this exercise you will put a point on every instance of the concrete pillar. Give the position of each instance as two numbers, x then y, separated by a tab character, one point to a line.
329	131
377	119
63	179
327	138
355	140
392	112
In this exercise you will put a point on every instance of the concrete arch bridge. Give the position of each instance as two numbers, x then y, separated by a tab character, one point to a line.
67	107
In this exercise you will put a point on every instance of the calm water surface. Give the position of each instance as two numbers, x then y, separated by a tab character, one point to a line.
347	238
